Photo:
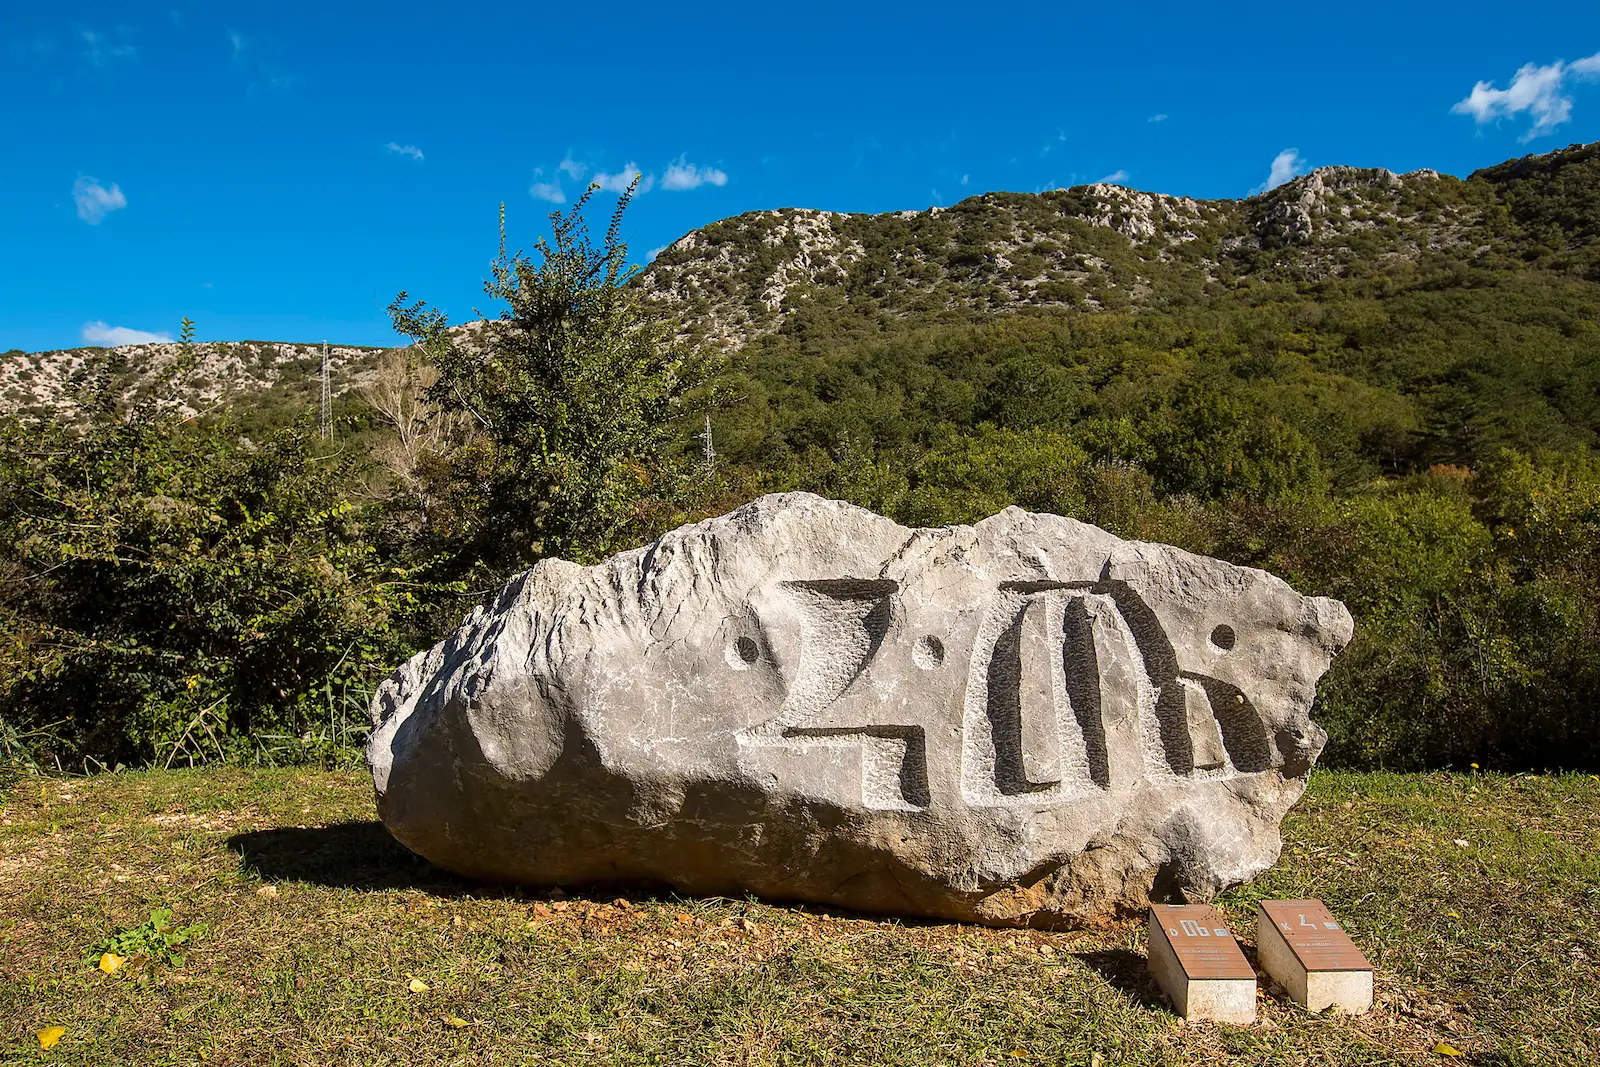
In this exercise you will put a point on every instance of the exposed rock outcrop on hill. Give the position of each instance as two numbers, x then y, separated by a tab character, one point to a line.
59	380
1089	247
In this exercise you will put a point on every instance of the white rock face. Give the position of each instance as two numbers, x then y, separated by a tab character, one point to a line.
1024	721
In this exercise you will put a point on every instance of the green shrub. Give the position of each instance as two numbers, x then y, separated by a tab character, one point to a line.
175	590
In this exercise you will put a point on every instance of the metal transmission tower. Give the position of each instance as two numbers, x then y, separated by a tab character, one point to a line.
709	452
326	418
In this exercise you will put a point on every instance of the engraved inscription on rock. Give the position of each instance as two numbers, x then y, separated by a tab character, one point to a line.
1024	720
1041	693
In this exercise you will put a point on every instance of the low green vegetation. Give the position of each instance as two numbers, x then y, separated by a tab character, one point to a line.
156	940
1457	523
1476	896
176	589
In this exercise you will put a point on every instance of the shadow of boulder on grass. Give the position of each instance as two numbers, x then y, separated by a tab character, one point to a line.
364	857
346	855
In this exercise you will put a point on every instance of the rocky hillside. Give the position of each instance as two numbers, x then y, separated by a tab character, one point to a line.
1091	248
1100	247
274	373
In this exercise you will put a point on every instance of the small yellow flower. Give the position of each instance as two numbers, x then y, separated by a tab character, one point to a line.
49	1036
111	963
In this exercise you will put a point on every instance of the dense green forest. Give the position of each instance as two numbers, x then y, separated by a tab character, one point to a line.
1383	389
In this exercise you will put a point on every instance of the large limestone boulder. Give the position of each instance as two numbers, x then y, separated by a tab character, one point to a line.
1025	720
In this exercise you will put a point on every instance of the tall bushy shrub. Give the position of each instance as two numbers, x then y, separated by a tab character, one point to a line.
172	589
1477	616
576	395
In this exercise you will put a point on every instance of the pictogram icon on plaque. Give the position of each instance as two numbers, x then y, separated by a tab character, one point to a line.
1197	961
1307	951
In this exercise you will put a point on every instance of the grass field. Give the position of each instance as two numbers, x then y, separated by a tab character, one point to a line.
1477	897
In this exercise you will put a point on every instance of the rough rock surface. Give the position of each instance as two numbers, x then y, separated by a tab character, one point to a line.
1028	720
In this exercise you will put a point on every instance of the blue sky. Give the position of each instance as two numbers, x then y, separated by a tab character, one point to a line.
278	171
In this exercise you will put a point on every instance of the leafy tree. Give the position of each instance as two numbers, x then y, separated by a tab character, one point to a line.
1209	445
577	393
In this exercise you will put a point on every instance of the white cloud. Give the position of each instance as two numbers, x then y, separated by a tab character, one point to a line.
98	333
1116	177
1162	117
544	190
682	175
95	201
550	191
654	252
1541	92
99	51
1535	89
236	39
410	150
964	178
619	182
1286	165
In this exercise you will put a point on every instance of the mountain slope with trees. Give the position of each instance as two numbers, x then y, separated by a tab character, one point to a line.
1106	247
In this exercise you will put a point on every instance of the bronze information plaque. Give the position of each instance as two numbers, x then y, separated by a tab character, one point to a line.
1200	938
1314	935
